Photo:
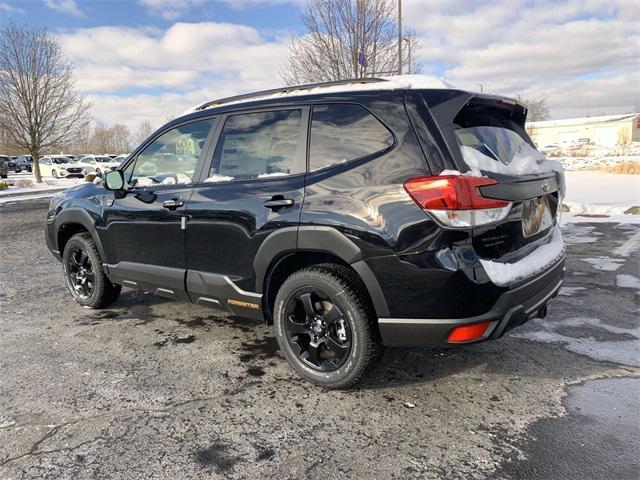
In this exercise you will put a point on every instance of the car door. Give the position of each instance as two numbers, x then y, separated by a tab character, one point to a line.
252	186
45	166
142	229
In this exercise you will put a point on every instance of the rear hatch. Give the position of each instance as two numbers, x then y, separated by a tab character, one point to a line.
489	145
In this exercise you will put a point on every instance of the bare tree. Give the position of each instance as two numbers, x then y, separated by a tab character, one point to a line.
121	138
537	109
144	130
348	39
39	105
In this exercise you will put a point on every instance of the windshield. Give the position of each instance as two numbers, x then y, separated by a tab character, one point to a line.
60	160
490	133
103	159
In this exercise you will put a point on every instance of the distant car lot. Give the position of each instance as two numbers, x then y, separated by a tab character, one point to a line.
168	390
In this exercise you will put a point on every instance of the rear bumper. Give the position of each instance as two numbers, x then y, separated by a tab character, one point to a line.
513	308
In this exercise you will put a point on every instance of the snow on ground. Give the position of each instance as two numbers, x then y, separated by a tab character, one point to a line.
577	234
599	193
624	350
628	281
569	291
23	186
604	263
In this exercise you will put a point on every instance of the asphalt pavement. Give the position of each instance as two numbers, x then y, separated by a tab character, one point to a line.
150	388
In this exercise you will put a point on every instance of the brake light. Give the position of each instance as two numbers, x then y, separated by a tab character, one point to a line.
466	333
456	201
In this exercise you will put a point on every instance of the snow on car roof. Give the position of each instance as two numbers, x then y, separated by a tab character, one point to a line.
398	82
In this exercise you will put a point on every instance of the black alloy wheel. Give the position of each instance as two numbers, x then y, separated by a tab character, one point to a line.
326	327
317	330
80	273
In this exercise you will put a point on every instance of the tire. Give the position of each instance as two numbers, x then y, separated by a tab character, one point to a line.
54	174
98	172
4	175
81	260
332	348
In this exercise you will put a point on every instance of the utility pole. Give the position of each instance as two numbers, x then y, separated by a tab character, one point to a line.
481	88
408	40
399	37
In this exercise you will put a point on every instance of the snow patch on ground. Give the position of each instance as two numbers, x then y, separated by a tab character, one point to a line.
628	281
539	259
624	351
602	189
569	218
569	291
579	234
606	264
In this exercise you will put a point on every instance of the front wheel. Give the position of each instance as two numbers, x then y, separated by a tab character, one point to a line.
325	326
54	174
85	275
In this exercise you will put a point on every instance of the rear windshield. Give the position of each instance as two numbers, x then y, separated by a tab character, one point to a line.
491	133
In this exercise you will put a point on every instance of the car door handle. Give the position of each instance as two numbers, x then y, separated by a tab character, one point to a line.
173	203
278	203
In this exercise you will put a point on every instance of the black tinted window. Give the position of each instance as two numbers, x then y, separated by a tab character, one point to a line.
340	133
172	157
259	145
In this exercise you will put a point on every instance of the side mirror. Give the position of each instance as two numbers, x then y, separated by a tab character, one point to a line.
113	180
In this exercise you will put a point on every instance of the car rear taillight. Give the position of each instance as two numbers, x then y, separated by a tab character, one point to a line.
455	200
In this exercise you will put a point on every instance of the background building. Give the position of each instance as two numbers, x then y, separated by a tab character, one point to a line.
606	130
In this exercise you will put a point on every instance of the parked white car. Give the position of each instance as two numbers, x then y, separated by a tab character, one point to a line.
120	159
97	163
59	166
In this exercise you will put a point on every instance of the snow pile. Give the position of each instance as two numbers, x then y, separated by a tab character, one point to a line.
506	273
601	193
526	161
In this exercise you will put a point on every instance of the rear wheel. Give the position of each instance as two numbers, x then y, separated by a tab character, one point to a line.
326	327
85	275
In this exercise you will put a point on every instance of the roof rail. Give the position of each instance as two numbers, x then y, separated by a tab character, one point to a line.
291	88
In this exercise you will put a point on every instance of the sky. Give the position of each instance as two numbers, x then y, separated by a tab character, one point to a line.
141	60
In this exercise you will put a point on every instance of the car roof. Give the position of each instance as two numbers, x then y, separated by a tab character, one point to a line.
368	84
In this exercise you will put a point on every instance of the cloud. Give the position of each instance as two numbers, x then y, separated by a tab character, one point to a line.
8	8
560	50
174	9
170	9
64	6
580	56
149	71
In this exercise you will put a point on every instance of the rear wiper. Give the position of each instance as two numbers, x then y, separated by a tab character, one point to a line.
495	157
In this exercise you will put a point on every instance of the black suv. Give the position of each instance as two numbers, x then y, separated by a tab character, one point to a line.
4	166
351	215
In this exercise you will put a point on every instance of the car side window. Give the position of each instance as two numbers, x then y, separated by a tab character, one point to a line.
45	161
171	158
344	132
259	145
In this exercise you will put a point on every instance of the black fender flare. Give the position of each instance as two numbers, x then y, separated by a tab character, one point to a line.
320	239
81	217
